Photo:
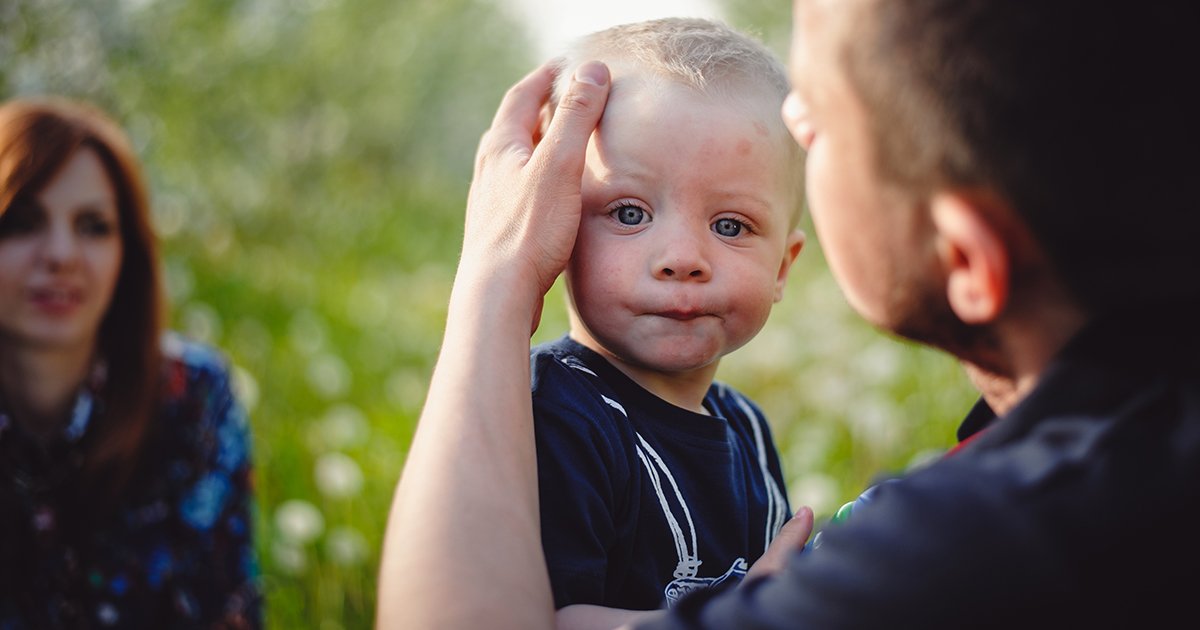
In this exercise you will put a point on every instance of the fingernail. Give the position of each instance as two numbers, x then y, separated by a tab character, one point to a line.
592	72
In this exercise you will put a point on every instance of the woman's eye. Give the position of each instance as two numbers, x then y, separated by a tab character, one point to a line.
728	227
630	215
92	225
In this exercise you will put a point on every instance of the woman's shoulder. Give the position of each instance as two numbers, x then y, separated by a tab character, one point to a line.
197	358
198	406
196	378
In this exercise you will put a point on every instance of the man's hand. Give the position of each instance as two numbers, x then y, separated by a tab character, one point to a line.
791	539
524	205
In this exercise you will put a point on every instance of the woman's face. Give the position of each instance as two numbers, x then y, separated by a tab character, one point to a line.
60	255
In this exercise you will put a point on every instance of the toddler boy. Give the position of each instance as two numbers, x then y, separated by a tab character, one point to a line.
654	480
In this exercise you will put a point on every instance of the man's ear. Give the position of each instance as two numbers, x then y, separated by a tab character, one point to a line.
795	243
974	254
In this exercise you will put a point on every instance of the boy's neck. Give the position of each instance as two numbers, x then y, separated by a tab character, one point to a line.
682	389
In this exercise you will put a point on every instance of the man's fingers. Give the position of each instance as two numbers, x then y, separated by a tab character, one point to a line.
796	531
790	539
516	120
575	118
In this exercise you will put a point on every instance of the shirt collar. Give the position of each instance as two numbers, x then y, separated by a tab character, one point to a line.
978	419
81	411
81	416
1105	360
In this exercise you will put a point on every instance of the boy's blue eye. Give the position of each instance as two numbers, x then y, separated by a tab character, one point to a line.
630	215
728	227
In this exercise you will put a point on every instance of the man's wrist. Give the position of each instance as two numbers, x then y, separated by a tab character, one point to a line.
501	294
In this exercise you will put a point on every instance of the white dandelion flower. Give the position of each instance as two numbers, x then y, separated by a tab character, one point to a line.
338	476
299	521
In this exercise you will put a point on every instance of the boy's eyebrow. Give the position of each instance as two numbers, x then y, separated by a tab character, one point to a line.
624	172
625	176
752	198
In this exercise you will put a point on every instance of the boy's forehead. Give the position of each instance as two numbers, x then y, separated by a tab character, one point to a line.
632	82
647	115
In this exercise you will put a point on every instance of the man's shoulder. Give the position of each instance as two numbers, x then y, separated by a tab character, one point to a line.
1100	434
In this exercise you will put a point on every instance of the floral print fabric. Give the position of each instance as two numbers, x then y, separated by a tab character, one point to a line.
175	552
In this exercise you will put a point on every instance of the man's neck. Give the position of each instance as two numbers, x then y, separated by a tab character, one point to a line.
1001	392
1027	349
39	386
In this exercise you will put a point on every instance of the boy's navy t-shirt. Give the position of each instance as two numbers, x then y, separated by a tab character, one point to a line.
643	501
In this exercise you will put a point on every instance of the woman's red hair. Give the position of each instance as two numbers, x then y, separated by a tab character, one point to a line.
38	137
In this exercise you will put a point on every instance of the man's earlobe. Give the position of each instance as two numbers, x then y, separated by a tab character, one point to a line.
795	243
974	255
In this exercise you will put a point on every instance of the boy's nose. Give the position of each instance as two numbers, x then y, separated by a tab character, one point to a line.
683	258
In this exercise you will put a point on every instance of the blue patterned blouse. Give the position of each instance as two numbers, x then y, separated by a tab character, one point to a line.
176	553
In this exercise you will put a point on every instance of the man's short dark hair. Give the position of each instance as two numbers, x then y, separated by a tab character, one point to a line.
1074	111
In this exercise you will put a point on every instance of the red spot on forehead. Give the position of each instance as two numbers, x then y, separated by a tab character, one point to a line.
744	146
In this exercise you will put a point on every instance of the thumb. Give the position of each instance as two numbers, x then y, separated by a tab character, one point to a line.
796	531
789	540
575	119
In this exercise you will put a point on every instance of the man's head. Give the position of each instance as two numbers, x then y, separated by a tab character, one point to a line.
690	198
1056	129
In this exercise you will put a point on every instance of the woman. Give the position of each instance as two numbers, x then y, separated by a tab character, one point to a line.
125	475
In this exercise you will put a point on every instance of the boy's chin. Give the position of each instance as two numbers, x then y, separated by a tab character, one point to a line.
668	355
670	358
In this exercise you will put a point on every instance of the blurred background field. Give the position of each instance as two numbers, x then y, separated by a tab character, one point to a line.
309	162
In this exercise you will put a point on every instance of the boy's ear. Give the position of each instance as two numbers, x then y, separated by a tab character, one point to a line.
795	243
974	254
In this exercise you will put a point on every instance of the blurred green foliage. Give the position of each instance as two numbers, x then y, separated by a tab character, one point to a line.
309	162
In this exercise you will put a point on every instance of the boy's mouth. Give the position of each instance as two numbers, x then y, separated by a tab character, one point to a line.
682	315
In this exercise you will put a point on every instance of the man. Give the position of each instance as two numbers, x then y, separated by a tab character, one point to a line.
1005	181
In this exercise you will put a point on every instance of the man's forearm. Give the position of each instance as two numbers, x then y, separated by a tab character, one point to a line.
465	517
463	546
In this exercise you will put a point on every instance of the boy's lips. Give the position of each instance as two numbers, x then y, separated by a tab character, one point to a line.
681	314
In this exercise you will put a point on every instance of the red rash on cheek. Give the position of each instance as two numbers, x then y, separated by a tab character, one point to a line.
744	146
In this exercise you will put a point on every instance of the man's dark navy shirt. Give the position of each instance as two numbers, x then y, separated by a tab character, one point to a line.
1077	508
642	501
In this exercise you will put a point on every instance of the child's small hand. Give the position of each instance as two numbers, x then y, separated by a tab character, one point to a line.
791	538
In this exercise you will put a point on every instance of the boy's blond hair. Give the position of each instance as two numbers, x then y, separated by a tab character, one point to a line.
703	54
706	55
